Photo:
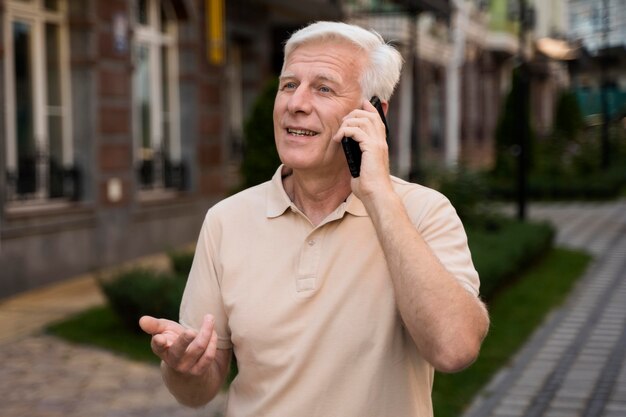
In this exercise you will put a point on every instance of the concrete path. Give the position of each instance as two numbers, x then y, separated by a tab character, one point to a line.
575	363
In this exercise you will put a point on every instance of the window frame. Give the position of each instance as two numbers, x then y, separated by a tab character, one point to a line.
154	39
34	14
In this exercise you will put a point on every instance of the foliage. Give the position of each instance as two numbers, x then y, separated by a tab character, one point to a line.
466	190
504	249
571	169
509	123
139	291
101	326
260	159
181	261
501	247
567	163
568	118
130	295
596	186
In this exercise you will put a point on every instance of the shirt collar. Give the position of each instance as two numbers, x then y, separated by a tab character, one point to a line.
278	201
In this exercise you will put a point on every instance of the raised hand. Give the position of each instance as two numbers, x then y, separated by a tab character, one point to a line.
184	350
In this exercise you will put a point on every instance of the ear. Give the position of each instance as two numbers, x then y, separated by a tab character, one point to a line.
385	105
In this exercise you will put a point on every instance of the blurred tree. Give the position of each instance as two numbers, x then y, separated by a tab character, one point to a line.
260	159
507	149
568	118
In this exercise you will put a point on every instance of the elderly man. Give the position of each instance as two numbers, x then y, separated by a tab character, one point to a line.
339	296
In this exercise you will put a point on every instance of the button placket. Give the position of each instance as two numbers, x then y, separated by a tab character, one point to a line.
306	279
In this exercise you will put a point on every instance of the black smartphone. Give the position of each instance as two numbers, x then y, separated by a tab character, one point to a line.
351	147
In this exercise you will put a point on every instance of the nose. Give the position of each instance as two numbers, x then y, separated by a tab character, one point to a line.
300	100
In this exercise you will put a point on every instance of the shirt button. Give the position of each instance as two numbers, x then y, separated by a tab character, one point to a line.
311	242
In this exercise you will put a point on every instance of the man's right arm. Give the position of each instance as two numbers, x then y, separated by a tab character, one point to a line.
192	366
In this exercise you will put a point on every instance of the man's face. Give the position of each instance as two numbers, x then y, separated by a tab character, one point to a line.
318	87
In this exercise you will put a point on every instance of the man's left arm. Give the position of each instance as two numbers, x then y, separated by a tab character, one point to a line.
446	321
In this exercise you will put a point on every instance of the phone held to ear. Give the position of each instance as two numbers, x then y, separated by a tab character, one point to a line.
351	147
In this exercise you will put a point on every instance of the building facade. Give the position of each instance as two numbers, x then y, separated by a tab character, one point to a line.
457	70
113	143
121	123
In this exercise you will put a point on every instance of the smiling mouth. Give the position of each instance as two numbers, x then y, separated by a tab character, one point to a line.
301	132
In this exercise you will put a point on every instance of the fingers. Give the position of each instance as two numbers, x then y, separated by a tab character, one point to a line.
207	356
178	348
361	124
147	324
193	352
160	344
152	325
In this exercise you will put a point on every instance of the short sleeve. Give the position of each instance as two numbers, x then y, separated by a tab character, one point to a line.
442	229
203	290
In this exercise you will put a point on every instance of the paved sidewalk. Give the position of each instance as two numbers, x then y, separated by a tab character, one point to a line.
43	376
575	363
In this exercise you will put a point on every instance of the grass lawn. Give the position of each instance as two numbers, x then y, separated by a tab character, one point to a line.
100	326
515	312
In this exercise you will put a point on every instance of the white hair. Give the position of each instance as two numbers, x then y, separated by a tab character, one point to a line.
384	63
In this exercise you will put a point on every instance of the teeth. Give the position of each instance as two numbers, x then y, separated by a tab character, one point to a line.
301	132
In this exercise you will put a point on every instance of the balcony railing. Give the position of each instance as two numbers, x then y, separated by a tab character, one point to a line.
40	177
159	172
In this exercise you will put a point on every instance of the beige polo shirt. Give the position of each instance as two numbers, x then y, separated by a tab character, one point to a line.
310	311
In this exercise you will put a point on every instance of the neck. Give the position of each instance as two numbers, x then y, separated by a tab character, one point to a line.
318	195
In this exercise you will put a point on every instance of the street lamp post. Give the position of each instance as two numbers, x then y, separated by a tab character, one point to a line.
523	130
603	58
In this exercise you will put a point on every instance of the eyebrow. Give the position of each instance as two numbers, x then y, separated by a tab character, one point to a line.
321	77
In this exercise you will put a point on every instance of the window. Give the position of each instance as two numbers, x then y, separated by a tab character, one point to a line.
155	106
38	127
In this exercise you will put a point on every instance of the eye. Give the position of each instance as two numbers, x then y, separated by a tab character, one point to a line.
324	89
288	85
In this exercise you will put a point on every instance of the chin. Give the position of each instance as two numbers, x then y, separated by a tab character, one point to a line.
299	164
296	156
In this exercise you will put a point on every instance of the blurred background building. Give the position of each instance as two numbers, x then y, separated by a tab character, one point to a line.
599	26
122	120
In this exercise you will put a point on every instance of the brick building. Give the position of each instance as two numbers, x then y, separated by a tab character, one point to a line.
121	123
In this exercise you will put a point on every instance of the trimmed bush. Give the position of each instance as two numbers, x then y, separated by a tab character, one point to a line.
594	186
506	249
181	261
138	291
467	191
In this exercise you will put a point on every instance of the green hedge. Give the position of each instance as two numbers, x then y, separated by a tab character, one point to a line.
139	291
594	186
181	261
504	249
501	248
